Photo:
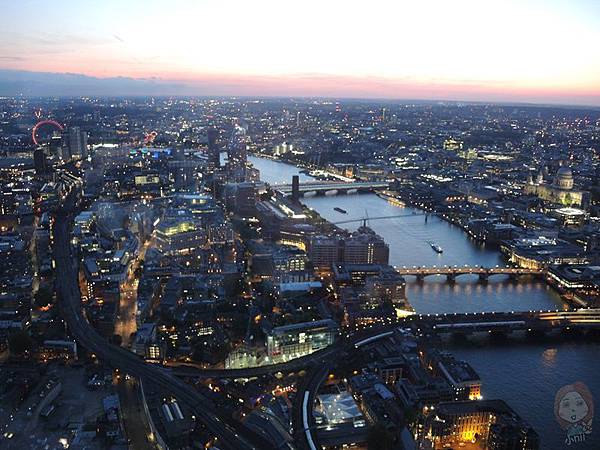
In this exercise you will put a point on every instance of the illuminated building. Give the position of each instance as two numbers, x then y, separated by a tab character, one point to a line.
559	191
146	344
300	339
575	277
473	421
453	144
463	379
541	252
237	156
569	217
147	179
57	350
179	235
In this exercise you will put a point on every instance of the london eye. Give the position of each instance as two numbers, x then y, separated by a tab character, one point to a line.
37	126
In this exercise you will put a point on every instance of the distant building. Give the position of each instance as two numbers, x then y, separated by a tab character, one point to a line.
241	198
237	156
214	155
39	161
560	191
77	142
453	144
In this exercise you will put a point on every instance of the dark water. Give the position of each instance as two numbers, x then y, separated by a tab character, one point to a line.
526	375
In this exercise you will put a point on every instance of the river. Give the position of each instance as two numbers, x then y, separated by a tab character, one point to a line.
526	375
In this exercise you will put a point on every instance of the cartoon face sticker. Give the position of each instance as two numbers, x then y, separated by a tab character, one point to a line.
572	407
574	411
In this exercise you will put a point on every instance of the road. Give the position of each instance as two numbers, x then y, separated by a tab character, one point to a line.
67	269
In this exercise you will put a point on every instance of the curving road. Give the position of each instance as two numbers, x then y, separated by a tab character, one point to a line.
227	437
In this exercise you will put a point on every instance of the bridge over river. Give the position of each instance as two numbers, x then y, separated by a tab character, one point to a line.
451	272
331	187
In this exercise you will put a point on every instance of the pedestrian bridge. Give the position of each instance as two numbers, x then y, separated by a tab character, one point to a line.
331	187
451	272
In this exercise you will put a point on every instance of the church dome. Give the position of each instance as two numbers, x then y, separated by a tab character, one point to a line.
564	178
564	172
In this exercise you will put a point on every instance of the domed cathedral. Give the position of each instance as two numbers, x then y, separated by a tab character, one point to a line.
560	190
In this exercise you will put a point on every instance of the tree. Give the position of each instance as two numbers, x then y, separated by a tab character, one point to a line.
43	297
19	342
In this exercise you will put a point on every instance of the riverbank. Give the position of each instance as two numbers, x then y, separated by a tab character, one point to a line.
526	375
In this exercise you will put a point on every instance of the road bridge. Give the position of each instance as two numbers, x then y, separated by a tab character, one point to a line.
451	272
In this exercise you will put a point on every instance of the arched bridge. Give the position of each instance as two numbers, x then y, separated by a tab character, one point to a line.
332	187
451	272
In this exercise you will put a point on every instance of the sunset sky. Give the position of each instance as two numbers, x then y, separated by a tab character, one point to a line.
489	50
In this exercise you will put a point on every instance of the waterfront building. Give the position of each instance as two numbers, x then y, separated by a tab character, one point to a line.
575	276
541	251
362	247
472	421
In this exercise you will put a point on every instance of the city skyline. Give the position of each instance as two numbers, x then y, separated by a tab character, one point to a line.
538	52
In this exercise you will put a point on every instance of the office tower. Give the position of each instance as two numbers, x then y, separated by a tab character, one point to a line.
77	143
39	161
237	156
245	200
214	156
295	187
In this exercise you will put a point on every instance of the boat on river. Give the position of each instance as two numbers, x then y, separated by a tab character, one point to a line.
436	248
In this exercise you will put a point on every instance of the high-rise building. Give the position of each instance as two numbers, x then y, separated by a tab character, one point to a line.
295	188
237	155
77	143
39	161
245	200
214	157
